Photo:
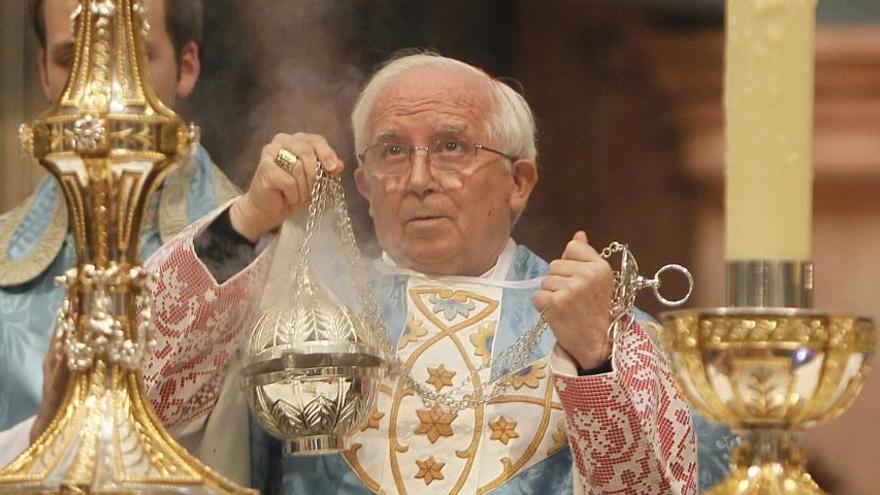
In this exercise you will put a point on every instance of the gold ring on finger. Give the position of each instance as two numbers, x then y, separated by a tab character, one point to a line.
286	160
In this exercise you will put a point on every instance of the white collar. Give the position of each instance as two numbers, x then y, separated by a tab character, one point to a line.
494	276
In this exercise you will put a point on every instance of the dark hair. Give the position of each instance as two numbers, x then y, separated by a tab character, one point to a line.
183	19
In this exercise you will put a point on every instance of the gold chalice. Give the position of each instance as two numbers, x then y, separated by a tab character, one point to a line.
768	373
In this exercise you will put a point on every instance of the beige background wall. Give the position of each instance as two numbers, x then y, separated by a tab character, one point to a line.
20	100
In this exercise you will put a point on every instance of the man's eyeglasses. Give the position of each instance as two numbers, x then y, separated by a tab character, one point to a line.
445	155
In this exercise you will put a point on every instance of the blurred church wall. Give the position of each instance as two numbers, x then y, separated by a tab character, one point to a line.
20	99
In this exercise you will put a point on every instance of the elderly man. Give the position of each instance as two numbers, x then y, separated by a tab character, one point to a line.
447	164
35	242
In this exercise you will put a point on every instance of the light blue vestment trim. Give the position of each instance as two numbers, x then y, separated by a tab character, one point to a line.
201	195
551	475
714	441
35	222
518	314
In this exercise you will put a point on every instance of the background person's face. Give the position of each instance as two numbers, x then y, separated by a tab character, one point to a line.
56	60
427	221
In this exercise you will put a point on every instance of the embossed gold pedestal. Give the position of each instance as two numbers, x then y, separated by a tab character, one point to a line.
768	373
108	141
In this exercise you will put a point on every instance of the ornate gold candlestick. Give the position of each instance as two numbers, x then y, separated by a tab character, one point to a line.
768	369
108	141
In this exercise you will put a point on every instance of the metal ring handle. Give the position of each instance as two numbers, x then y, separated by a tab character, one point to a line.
678	268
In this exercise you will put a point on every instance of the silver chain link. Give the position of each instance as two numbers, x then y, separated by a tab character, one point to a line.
627	282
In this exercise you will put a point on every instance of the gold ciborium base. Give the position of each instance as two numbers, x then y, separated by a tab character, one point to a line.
106	440
767	462
768	373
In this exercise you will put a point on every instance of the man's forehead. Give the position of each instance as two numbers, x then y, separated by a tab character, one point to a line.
454	87
457	100
442	129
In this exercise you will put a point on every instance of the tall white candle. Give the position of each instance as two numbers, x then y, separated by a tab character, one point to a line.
768	102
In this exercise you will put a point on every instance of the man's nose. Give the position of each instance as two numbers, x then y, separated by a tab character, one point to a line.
420	176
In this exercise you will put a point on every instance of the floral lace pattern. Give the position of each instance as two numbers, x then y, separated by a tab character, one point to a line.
199	323
630	430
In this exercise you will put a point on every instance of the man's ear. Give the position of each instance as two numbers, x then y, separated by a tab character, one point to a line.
188	69
364	187
525	176
44	72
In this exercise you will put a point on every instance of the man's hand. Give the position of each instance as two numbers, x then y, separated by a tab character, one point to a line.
56	374
576	301
274	193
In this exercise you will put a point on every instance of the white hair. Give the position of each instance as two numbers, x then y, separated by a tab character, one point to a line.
511	125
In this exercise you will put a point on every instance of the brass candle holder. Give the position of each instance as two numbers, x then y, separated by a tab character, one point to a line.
768	367
108	141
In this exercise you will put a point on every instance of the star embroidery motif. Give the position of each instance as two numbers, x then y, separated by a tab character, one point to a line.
373	420
503	430
435	423
413	330
430	470
440	377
